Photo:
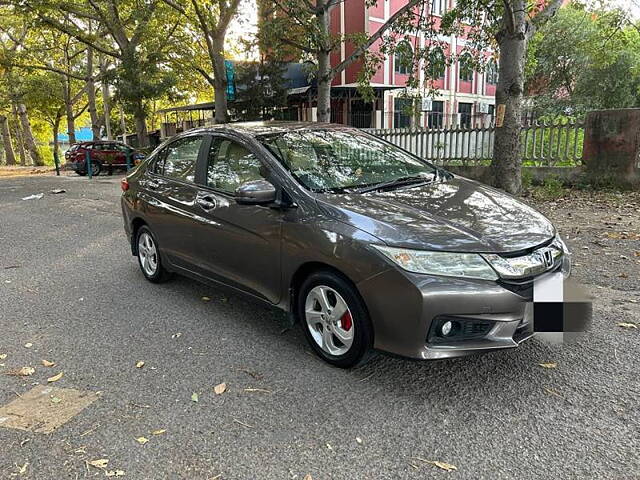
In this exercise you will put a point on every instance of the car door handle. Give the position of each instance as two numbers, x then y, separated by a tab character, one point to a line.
206	203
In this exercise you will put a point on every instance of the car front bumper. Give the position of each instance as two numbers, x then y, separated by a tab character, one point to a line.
407	316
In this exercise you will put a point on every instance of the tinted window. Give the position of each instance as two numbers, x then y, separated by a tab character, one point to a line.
178	159
230	165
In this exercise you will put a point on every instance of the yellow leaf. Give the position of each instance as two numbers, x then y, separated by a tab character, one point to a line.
142	440
442	465
47	363
23	469
114	473
548	365
100	463
25	371
55	378
220	388
158	432
206	299
3	356
140	364
28	345
307	477
627	325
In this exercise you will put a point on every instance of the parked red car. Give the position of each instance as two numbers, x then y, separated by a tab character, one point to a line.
104	155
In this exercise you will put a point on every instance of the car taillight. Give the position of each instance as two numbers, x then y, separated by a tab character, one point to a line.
124	184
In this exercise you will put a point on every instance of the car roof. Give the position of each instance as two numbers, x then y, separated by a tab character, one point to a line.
255	129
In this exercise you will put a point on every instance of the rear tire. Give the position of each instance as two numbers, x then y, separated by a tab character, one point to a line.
149	257
335	320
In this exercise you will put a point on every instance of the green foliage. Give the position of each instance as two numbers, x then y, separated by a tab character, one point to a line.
584	60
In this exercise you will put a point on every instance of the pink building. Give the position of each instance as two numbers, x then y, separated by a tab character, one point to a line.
465	97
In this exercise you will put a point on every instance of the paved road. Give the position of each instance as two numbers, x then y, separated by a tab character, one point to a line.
78	297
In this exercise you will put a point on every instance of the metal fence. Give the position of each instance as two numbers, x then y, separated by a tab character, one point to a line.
543	143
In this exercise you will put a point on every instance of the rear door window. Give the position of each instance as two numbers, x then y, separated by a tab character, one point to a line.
178	159
230	164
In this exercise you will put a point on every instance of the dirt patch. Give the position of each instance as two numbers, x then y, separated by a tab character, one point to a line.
602	230
43	408
20	171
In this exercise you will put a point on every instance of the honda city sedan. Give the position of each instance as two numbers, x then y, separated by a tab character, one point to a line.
367	246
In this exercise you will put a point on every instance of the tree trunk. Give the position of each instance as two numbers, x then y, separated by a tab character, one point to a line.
220	81
324	87
91	96
71	121
106	101
507	156
6	140
18	135
140	118
28	136
56	141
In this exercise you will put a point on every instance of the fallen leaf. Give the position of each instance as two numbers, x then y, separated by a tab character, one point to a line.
194	397
637	254
3	356
551	391
47	363
142	440
548	365
158	432
329	446
220	388
206	299
359	440
100	463
261	390
55	400
176	335
23	469
55	378
307	477
22	372
28	345
442	465
627	325
114	473
140	364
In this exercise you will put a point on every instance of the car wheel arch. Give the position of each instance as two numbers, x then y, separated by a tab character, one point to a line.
136	224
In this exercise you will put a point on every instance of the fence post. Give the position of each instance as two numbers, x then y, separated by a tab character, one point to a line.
87	163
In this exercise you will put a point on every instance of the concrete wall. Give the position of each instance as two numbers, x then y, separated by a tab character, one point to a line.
568	175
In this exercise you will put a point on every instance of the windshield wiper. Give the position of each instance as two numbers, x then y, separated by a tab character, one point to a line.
407	180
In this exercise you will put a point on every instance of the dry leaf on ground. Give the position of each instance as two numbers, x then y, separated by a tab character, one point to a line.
47	363
22	372
194	397
114	473
142	440
3	356
307	477
548	365
206	299
359	440
442	465
140	364
55	378
158	432
100	463
28	345
23	469
627	325
220	388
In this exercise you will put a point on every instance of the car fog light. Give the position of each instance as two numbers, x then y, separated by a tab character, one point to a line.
446	328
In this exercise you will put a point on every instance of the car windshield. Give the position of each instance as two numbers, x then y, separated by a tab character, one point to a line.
338	160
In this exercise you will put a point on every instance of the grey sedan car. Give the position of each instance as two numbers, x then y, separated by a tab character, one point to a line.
367	246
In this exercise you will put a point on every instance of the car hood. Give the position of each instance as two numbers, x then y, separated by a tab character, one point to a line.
453	215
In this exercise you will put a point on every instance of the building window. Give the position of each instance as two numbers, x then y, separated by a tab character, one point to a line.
464	112
403	58
435	118
438	7
492	72
437	64
465	67
402	112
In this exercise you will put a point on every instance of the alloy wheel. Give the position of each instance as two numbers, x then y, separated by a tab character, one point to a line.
148	254
329	320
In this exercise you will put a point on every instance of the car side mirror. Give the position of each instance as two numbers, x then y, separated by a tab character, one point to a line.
256	192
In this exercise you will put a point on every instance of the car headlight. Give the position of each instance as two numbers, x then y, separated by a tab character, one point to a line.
466	265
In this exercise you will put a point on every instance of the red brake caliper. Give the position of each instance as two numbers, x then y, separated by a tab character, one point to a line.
346	321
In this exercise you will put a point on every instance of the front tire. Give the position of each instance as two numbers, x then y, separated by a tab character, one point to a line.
149	257
335	319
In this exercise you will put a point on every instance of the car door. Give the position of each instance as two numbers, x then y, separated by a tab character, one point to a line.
169	191
238	244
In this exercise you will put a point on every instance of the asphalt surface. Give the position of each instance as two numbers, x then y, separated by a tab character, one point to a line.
69	286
